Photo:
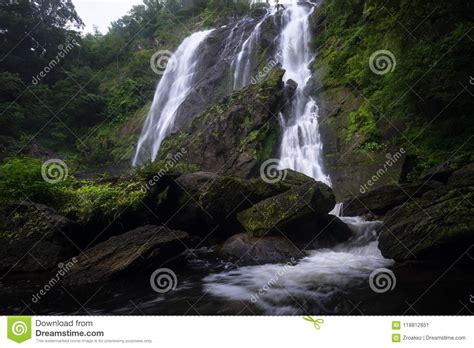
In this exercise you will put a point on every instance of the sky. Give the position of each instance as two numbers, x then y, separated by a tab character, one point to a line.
102	12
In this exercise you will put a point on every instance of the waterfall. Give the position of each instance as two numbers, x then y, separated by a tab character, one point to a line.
172	90
301	147
242	63
323	275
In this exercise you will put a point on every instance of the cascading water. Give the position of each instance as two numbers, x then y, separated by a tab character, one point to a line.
301	147
242	63
172	90
324	276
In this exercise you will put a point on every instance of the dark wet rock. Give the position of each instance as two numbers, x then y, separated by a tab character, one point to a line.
228	195
246	249
234	136
301	214
214	78
142	249
379	201
439	173
290	88
330	231
35	238
462	177
202	201
182	209
437	226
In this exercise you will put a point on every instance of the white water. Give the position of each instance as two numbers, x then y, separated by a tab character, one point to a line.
301	147
172	90
324	275
242	64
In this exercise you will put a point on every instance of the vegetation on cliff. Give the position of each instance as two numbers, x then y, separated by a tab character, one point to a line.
423	101
85	96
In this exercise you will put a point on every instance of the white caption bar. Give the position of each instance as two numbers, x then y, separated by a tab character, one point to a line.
238	332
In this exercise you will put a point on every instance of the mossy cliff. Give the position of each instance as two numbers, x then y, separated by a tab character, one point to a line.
420	101
236	135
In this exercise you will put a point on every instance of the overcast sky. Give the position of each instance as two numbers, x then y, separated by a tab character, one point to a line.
102	12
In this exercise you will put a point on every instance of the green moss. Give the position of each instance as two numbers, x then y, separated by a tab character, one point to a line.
21	178
414	102
106	200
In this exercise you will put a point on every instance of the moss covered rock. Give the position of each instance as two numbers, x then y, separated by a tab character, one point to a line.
288	211
202	201
435	222
437	226
236	135
143	248
34	238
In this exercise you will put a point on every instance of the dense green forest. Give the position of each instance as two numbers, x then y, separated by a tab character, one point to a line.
86	96
92	83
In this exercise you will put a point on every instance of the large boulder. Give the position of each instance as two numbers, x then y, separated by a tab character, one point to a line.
295	205
35	238
437	226
145	247
234	136
379	201
202	201
300	214
228	195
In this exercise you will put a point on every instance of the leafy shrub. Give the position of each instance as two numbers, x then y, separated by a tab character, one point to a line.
21	179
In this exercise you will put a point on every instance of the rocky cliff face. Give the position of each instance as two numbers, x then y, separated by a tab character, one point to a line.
236	135
215	79
385	82
350	159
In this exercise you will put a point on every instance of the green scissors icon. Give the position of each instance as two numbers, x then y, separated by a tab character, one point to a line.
316	322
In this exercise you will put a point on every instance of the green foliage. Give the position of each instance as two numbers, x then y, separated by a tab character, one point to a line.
21	179
107	200
87	103
423	97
